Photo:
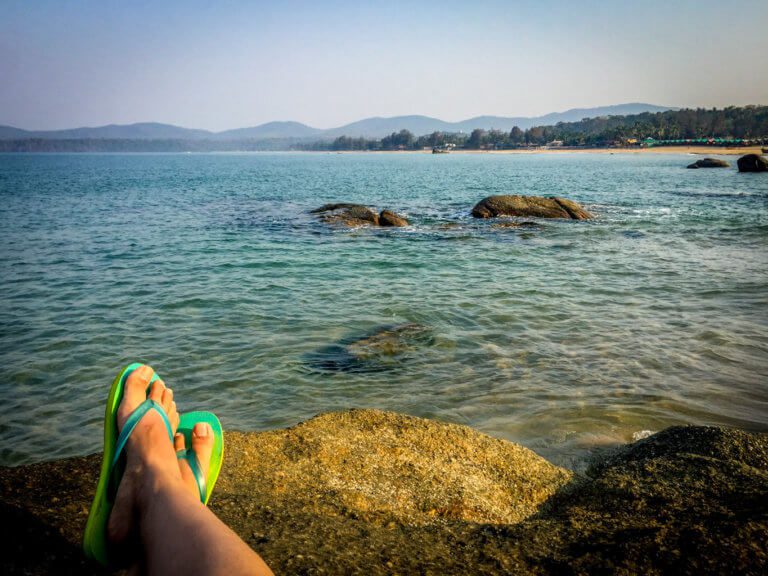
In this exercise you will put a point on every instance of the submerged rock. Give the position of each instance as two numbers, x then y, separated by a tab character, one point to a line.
753	163
709	163
513	224
529	206
365	491
384	348
347	214
389	218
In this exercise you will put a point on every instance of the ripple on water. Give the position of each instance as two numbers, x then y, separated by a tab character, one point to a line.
565	337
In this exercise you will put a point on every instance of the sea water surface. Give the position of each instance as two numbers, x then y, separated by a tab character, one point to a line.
564	337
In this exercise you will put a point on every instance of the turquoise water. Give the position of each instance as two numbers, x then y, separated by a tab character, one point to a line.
565	337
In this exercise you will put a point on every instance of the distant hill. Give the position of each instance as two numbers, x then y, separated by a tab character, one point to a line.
378	127
140	131
271	130
369	127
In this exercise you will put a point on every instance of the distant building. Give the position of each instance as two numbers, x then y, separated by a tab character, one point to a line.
555	143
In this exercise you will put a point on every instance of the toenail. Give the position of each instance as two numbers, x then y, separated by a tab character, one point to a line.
201	430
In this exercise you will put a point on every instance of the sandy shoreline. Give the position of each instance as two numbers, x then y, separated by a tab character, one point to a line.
697	150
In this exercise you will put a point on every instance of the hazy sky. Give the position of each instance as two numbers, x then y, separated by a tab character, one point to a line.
230	64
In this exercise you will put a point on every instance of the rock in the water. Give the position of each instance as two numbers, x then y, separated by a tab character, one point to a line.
753	163
709	163
347	214
389	218
529	206
384	348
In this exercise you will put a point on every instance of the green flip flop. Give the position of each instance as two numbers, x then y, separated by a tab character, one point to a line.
205	484
95	543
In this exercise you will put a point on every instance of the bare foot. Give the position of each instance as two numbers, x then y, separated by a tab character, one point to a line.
202	444
149	452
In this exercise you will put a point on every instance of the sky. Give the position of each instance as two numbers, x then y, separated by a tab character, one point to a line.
231	64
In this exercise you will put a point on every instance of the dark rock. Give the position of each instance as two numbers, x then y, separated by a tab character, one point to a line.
753	163
347	214
389	218
709	163
529	206
384	348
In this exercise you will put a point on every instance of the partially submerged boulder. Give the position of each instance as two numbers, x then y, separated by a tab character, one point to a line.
709	163
753	163
347	214
389	218
529	207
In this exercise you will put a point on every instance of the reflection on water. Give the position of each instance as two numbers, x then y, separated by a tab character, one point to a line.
565	337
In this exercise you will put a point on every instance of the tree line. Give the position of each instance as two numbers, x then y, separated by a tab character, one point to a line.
732	123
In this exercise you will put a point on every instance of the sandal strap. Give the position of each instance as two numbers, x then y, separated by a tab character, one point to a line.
194	464
133	420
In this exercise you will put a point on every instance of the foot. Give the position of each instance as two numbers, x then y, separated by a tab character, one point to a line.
202	444
149	452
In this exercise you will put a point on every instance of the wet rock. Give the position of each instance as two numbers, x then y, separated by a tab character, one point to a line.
529	206
384	348
347	214
709	163
753	163
389	218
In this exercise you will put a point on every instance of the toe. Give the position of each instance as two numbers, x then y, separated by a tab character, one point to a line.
134	392
173	417
178	442
166	399
202	444
156	392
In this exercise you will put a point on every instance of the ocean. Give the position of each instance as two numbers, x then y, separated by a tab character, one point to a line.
567	337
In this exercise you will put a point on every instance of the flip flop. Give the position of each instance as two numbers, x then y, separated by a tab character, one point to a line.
95	543
205	484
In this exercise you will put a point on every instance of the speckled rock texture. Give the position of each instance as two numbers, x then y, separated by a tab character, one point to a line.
371	492
529	207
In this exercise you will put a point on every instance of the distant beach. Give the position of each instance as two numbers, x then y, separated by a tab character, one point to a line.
698	150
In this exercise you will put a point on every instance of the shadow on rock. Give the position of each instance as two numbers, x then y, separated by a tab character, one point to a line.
372	492
383	348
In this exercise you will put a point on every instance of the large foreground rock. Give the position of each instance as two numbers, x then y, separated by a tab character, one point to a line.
529	206
753	163
370	492
709	163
